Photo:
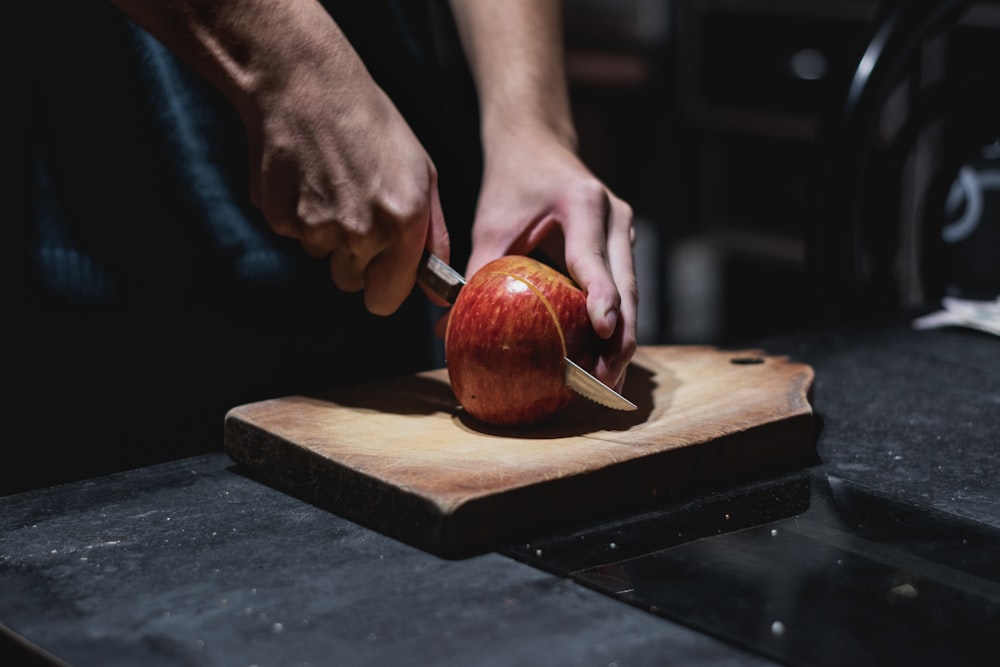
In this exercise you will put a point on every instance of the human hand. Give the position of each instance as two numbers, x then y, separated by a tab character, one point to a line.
340	170
332	162
537	194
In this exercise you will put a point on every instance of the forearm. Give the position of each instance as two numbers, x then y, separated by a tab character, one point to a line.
515	51
247	48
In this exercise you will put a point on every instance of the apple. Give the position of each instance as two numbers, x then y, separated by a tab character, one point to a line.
508	334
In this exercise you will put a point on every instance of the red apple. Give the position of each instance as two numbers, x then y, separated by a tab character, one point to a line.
508	333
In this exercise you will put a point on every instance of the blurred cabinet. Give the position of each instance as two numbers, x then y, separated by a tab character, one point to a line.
707	116
755	78
621	82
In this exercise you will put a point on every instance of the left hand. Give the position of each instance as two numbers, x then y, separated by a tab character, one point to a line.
537	194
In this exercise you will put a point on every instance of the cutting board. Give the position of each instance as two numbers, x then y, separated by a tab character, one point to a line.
401	457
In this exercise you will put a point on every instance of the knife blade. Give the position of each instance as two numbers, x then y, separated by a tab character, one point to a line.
446	282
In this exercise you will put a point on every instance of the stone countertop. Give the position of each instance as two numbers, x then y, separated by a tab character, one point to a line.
192	563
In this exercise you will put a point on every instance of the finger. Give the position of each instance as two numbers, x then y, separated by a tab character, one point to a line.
438	239
274	190
346	270
587	260
391	274
620	348
484	250
438	242
320	239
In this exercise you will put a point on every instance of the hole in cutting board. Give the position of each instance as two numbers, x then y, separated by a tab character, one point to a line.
746	361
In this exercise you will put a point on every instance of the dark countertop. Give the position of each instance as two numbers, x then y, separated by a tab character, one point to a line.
915	414
192	563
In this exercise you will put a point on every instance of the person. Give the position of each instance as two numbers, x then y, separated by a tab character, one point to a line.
336	166
339	114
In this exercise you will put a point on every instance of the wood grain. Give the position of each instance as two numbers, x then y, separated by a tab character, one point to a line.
401	457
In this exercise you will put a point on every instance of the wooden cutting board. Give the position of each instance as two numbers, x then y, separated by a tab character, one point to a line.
401	457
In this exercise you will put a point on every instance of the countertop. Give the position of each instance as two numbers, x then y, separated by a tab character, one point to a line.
193	563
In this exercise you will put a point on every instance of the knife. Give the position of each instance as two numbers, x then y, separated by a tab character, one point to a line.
446	282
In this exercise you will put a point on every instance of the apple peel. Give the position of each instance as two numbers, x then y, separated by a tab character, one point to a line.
509	332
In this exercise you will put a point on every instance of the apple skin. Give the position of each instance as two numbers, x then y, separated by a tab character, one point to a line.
508	332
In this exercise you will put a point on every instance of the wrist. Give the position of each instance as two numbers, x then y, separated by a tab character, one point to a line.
505	131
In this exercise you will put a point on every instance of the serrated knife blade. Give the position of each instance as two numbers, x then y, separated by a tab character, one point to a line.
587	385
435	274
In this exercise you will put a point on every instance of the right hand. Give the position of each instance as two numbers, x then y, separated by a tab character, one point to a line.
334	165
332	162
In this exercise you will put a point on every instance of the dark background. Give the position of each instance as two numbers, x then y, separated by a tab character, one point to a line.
711	118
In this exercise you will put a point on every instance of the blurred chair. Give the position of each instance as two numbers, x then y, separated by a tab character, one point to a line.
893	159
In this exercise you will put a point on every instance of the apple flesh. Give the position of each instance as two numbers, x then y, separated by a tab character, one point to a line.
509	332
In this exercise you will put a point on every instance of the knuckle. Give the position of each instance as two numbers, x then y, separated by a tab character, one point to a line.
406	208
593	195
626	212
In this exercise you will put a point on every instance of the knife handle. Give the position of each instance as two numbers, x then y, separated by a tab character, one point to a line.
440	278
